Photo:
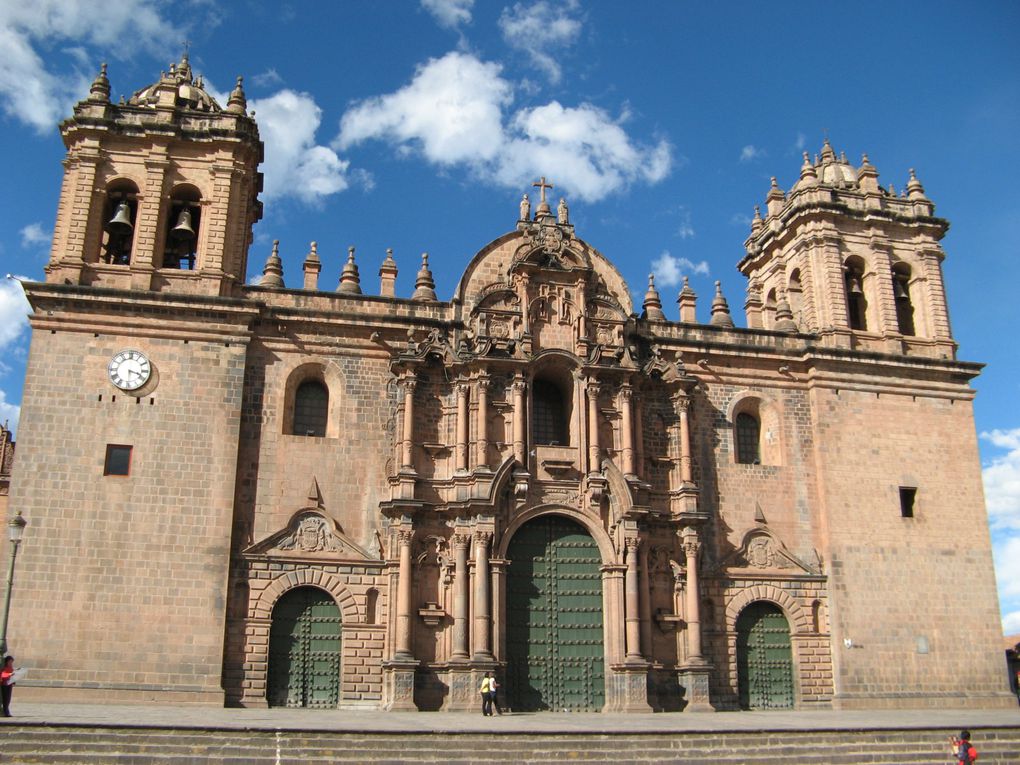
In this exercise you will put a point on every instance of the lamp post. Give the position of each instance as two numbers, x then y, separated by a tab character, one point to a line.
15	530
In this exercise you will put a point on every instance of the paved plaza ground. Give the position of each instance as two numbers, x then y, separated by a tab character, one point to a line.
463	722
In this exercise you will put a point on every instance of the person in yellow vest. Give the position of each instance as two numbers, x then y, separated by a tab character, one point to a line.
486	691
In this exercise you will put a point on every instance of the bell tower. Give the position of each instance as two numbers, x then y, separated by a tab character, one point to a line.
160	192
842	257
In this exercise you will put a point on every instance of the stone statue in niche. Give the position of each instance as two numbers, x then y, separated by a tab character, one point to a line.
312	535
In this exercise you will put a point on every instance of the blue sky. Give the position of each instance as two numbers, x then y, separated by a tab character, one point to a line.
418	125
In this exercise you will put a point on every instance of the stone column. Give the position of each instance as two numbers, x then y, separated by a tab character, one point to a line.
631	603
519	386
461	595
407	457
626	425
594	450
482	461
644	602
692	546
462	427
483	617
683	405
405	581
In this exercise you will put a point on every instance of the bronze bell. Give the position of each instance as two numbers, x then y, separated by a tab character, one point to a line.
900	290
120	223
855	285
183	232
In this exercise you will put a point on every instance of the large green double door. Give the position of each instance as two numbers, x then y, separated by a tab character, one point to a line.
555	644
304	650
764	658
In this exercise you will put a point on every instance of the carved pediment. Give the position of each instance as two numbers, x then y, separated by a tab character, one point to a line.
761	550
310	533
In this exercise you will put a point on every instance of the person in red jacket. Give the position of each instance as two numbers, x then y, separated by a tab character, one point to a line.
7	684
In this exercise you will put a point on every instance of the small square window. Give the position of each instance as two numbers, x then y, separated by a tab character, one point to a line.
118	460
908	495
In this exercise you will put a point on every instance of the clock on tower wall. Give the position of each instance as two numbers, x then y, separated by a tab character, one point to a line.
130	370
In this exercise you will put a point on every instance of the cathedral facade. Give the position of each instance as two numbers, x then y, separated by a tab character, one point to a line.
270	495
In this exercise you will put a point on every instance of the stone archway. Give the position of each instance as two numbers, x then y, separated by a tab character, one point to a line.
305	650
555	634
764	658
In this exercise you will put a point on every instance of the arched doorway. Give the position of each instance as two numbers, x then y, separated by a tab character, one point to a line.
555	653
764	658
304	650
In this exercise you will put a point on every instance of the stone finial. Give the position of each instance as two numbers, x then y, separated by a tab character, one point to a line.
688	302
312	267
100	90
525	208
775	199
784	315
756	221
562	212
753	305
808	176
828	155
237	103
424	285
720	309
914	188
272	274
543	210
350	280
388	275
653	304
867	176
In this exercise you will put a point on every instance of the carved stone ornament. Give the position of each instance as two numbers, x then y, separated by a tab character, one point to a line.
762	550
312	535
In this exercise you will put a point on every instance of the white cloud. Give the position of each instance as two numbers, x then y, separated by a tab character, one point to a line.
539	30
740	219
449	13
1007	567
38	85
1002	482
456	111
750	153
801	142
669	270
295	165
267	79
1011	623
34	235
14	310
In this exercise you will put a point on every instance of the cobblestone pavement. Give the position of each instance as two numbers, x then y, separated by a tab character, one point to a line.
545	722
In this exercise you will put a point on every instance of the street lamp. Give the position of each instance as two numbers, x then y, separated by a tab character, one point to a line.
15	530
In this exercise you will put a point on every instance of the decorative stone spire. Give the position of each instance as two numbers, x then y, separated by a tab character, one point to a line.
720	308
784	316
808	176
237	103
388	275
653	304
424	286
272	274
867	176
914	188
543	210
828	155
756	221
753	304
775	199
350	280
100	90
312	266
688	302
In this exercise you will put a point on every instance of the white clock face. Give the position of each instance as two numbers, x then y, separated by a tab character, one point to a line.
129	370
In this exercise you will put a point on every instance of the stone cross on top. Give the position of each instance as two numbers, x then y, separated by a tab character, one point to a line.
543	205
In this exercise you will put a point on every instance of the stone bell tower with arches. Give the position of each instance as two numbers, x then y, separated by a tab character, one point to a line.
160	191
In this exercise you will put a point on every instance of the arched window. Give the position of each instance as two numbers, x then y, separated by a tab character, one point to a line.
371	605
904	306
770	309
550	424
856	304
748	431
181	241
311	407
119	216
795	294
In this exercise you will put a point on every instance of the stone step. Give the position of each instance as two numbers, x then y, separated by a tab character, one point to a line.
87	746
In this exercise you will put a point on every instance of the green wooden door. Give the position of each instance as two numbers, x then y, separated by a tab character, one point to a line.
304	650
554	618
764	658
